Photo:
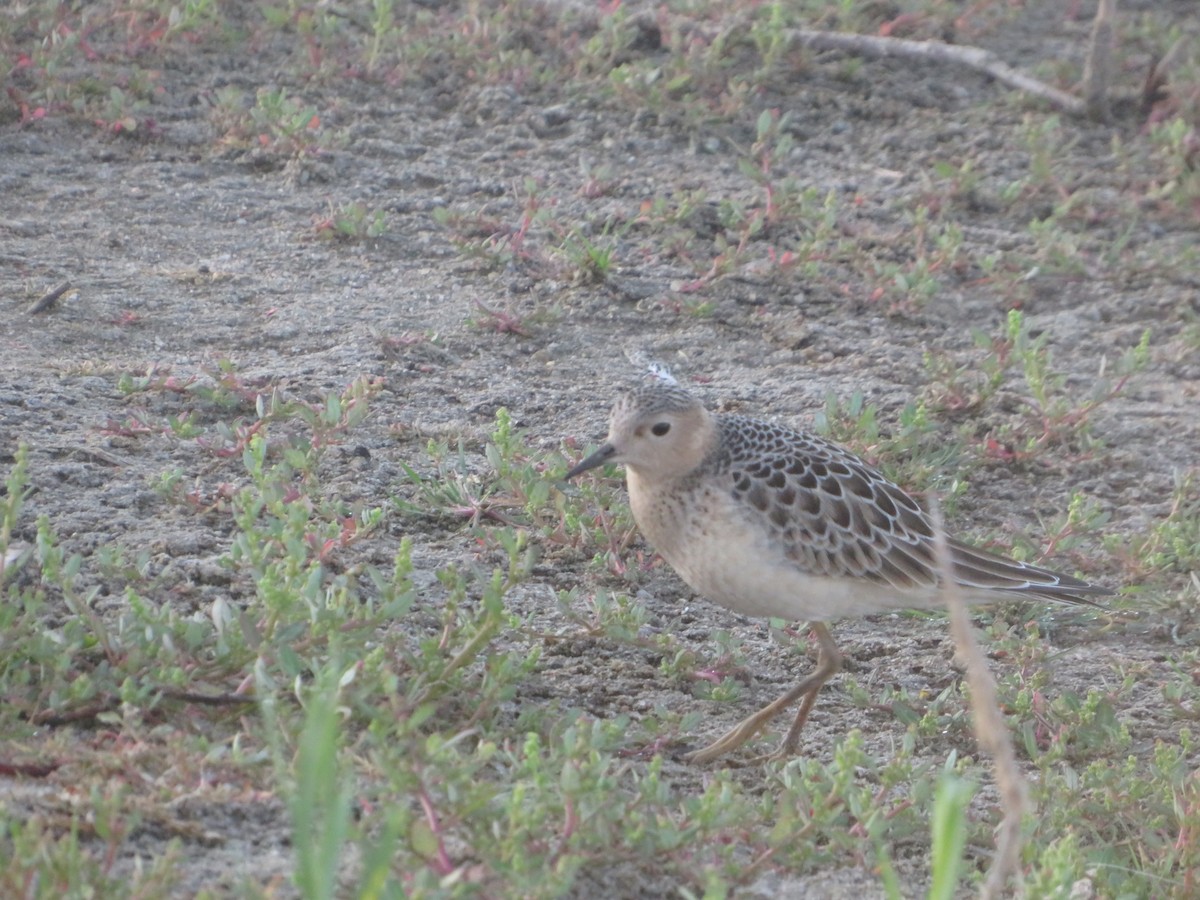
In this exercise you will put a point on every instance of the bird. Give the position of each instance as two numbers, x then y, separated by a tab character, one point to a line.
771	521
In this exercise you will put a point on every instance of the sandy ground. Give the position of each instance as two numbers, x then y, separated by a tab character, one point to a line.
186	252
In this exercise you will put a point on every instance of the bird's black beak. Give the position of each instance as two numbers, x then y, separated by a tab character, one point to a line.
599	458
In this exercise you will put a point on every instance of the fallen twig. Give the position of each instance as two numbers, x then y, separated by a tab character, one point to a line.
28	770
1098	66
1157	87
974	58
209	699
1097	72
54	718
47	300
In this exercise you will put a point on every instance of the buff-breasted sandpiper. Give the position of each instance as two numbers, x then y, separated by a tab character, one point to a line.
770	521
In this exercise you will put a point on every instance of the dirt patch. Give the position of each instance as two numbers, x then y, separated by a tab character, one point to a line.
190	252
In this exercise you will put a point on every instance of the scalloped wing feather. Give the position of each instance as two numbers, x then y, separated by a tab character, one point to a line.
833	515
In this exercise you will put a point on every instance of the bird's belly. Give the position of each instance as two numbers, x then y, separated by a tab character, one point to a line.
765	584
729	561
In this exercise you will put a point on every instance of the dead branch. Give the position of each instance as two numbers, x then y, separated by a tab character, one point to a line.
974	58
55	718
1097	71
209	699
1098	66
48	299
1159	79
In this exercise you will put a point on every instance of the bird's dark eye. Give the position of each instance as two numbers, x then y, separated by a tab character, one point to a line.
660	428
